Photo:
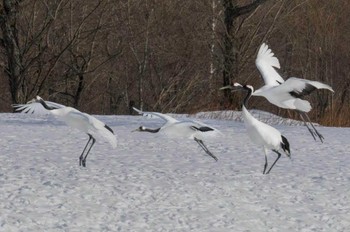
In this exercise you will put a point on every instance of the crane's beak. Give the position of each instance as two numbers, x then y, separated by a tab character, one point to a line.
31	101
230	87
135	130
226	87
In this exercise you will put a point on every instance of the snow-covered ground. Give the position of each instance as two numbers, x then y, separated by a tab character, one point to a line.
151	183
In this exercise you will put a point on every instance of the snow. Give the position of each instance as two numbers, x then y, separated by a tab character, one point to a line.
151	183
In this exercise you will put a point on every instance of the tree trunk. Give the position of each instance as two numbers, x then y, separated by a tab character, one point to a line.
9	42
79	90
231	12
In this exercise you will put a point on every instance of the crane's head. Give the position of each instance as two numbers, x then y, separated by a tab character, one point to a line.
36	99
244	87
237	86
145	129
141	128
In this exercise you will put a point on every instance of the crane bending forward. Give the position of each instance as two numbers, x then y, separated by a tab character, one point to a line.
259	132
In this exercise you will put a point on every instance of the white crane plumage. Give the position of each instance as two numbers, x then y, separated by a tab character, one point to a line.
186	129
286	94
74	118
259	132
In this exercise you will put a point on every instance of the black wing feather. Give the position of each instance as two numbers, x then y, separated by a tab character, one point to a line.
202	128
108	128
306	91
285	144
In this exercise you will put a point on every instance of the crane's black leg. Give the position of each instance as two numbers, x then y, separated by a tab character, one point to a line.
301	114
200	142
265	166
82	154
317	133
84	160
279	156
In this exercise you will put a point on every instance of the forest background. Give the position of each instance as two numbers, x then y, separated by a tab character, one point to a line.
105	56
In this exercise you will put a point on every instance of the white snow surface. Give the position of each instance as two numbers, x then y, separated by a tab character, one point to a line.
152	183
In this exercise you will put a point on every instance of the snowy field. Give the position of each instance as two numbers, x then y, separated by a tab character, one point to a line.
151	183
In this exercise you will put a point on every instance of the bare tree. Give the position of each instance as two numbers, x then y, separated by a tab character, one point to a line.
52	46
105	56
232	11
83	56
24	45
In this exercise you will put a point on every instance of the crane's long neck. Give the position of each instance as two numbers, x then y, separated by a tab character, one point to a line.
248	118
45	105
249	94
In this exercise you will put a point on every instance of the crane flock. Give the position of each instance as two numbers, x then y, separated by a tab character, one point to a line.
284	94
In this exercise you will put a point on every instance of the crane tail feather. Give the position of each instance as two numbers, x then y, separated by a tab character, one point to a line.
285	145
110	129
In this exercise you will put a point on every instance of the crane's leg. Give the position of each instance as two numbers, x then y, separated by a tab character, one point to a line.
200	142
301	114
82	154
279	156
84	160
265	166
317	133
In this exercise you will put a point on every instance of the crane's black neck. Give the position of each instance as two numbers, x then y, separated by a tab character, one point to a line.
45	105
249	94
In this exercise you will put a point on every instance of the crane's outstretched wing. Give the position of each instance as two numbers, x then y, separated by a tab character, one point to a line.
266	63
298	87
33	107
168	119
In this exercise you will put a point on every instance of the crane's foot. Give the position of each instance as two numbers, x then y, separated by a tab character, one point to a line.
82	162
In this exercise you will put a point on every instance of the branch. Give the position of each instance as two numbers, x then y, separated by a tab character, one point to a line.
247	8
